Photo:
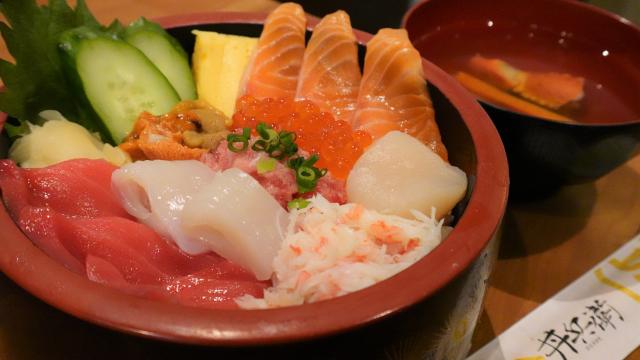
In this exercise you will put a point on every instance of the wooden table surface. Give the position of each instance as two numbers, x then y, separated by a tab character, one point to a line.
546	244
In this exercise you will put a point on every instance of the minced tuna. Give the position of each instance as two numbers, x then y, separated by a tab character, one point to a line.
280	182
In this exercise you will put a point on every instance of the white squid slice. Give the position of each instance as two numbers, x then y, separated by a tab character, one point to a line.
238	219
156	191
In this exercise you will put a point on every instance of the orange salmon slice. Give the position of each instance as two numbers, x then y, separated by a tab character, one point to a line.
276	63
393	92
330	75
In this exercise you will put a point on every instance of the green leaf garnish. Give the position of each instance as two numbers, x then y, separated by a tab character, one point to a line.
36	81
15	131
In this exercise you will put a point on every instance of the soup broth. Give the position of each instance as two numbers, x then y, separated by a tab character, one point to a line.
612	83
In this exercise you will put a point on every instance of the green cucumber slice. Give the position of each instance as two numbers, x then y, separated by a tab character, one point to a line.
165	52
116	78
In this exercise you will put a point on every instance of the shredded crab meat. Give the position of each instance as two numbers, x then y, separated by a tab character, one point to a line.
330	250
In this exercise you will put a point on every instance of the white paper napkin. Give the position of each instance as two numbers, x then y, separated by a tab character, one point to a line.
595	317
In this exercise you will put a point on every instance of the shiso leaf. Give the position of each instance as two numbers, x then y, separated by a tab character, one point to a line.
36	81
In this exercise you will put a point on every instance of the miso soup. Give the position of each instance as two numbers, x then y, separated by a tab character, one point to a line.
612	82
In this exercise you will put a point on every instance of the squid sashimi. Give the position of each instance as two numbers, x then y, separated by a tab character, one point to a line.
156	191
69	212
330	74
238	219
393	93
276	64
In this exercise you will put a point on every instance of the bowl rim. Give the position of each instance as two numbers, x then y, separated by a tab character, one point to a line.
72	293
581	5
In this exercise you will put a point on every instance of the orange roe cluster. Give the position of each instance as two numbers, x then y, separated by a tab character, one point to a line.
335	141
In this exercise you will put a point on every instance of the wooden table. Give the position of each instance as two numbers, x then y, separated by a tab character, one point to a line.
546	245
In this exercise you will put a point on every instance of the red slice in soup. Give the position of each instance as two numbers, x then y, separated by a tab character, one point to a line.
393	93
550	89
275	67
69	211
330	74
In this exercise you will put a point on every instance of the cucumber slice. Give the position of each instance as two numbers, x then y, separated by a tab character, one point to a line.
165	52
117	79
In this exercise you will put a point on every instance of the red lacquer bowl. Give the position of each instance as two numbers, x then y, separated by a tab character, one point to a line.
438	280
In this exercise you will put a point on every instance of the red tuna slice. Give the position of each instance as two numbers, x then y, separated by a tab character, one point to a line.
39	225
79	187
104	272
69	211
213	288
13	187
139	254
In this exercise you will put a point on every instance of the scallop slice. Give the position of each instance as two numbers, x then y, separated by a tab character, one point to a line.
238	219
398	173
156	191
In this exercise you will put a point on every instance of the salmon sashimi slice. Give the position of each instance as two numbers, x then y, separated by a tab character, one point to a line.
330	75
393	92
276	64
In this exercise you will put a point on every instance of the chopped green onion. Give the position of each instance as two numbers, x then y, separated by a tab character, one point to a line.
296	162
276	151
272	136
297	203
311	160
306	173
266	165
233	139
287	137
261	129
279	145
306	179
267	133
259	145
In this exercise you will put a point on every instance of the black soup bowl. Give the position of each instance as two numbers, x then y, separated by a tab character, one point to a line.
547	36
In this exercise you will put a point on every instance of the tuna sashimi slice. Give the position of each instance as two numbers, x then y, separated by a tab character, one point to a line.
214	287
393	93
330	75
80	188
69	211
274	69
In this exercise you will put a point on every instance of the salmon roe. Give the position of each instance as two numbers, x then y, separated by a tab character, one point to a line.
335	142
